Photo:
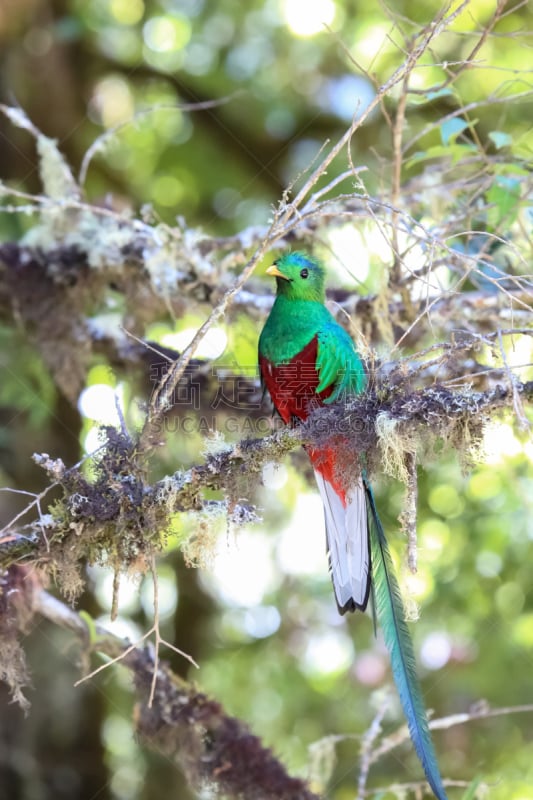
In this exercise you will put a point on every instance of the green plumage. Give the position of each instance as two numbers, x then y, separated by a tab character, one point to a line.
391	617
297	316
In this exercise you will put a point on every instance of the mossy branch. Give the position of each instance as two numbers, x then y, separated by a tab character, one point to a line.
120	519
212	748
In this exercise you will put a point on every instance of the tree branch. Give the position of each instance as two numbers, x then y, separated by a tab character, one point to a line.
387	421
212	748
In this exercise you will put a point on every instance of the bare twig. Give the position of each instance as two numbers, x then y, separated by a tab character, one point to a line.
129	649
480	711
101	141
517	400
367	744
162	396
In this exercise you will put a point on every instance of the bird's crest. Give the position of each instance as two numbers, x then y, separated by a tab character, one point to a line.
299	277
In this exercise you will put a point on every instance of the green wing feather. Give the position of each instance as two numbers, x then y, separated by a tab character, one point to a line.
337	361
391	616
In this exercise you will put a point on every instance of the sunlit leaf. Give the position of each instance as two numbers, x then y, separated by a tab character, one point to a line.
438	151
471	792
435	94
503	195
500	139
444	92
451	128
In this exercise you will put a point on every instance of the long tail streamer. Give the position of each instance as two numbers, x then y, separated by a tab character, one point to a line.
391	615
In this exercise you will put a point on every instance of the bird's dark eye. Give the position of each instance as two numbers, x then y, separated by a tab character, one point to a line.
304	273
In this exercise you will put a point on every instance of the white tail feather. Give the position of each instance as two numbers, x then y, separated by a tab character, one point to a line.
347	541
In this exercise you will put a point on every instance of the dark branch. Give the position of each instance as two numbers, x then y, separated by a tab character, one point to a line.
211	747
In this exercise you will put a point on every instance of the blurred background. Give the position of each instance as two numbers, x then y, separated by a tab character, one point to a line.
258	613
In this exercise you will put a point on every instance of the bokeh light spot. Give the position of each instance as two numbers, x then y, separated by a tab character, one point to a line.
262	621
348	246
370	668
500	442
510	600
484	484
112	102
244	573
306	19
327	653
212	345
274	475
488	563
98	402
444	499
522	631
436	650
167	190
127	12
300	548
166	34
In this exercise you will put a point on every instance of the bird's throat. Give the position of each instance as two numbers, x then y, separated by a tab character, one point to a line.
290	327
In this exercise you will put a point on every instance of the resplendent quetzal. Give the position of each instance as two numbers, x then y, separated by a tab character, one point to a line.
307	359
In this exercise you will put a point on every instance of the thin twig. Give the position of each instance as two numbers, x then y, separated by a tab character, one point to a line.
156	631
367	744
518	406
481	711
101	141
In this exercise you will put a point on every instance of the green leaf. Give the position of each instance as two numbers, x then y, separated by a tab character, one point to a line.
459	151
451	128
500	139
437	151
91	626
455	151
420	99
503	196
444	92
507	169
470	793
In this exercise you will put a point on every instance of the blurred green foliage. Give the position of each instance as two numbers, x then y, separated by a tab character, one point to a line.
121	70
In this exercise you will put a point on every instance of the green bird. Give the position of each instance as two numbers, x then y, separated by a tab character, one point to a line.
307	359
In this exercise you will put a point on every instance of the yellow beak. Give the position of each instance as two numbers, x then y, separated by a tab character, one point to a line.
274	271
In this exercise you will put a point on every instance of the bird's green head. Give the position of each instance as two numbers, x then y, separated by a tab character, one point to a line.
299	277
